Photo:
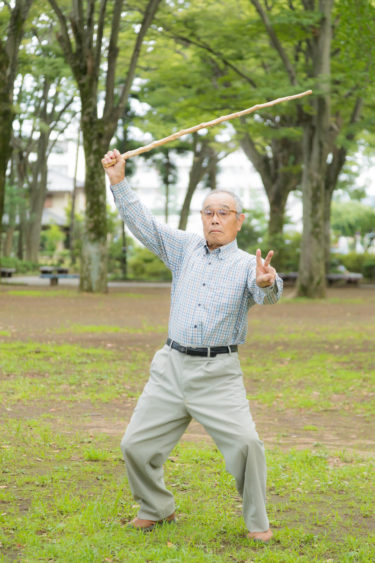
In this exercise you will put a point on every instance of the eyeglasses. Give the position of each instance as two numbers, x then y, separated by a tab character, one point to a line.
221	213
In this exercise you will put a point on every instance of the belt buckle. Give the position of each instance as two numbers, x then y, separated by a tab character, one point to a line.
183	349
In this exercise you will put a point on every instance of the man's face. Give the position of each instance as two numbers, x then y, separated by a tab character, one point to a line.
219	230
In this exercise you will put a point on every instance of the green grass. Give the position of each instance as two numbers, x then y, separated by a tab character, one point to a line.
300	378
66	293
317	368
43	293
64	499
327	301
63	492
34	371
108	329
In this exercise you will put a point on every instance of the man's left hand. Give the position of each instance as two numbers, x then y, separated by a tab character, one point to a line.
265	273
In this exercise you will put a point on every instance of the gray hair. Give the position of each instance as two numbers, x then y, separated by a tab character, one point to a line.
237	200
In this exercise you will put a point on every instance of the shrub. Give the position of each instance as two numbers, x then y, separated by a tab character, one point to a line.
361	263
352	261
21	266
144	265
368	267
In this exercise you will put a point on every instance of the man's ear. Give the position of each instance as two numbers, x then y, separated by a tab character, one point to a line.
240	220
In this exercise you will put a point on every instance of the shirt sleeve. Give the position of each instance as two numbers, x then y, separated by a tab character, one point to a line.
263	295
161	239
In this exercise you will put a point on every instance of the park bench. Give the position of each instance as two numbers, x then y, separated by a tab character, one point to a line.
54	274
346	277
7	272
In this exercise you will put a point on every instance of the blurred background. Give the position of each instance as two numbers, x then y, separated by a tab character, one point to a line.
80	77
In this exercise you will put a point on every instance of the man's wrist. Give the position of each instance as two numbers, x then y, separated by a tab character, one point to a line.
116	180
267	287
121	184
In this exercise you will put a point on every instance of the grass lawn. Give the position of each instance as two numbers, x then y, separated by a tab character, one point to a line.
71	368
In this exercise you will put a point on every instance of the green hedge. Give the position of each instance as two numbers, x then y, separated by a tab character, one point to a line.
360	263
144	265
21	266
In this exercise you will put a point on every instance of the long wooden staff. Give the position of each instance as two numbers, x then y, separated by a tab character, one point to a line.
178	134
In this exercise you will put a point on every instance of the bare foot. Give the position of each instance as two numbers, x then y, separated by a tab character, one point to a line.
261	536
147	525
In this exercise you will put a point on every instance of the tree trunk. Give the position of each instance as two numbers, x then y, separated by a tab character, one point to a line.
327	229
38	191
311	277
212	168
280	173
21	234
82	41
124	254
8	241
277	202
6	119
94	244
8	71
167	184
73	205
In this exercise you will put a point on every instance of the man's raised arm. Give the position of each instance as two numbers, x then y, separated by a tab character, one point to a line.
162	240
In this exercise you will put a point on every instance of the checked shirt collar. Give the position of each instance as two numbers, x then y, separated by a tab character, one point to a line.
223	251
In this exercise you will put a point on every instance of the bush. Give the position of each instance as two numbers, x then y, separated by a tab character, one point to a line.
352	261
144	265
116	255
368	267
359	263
21	266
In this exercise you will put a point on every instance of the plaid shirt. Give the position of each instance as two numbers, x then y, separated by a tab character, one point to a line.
211	291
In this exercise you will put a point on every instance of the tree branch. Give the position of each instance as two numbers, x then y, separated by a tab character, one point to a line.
112	56
90	21
218	55
149	14
63	38
99	33
259	160
275	42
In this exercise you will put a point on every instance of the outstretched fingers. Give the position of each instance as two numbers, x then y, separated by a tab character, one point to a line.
267	260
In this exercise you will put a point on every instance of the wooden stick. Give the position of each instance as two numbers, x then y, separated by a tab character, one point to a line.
178	134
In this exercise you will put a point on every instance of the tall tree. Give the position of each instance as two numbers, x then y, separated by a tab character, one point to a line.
176	102
12	20
91	37
312	271
245	65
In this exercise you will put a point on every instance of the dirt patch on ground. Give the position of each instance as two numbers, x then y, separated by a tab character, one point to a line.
47	316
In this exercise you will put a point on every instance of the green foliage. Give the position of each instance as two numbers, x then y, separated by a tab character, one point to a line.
287	247
21	266
361	263
144	265
253	230
348	218
51	238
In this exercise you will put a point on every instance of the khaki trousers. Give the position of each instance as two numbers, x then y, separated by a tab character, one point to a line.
211	390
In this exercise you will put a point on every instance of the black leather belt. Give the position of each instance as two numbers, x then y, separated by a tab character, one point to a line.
205	352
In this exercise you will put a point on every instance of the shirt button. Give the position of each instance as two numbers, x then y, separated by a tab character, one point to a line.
203	284
199	304
195	326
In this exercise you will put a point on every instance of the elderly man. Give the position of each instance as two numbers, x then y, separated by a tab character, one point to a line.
197	373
